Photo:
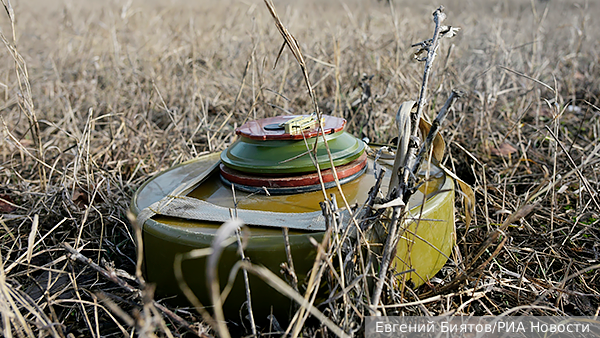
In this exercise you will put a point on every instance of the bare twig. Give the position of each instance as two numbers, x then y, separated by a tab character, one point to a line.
585	182
529	78
438	19
472	267
388	253
76	255
405	158
290	261
139	245
435	126
294	47
246	283
111	276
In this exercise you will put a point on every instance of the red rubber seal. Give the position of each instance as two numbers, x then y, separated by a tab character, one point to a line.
245	179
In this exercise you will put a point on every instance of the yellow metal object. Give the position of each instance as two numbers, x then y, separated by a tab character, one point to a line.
298	124
427	237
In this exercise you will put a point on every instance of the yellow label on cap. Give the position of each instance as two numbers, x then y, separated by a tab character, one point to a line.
298	124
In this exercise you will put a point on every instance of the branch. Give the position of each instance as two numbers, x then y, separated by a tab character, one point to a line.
438	18
405	155
77	256
435	126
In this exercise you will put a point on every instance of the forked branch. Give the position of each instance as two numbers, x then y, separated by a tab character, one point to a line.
407	162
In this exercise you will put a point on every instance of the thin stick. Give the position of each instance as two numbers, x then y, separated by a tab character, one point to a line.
435	126
243	256
290	261
585	182
139	245
388	252
528	77
77	256
431	46
410	163
110	276
294	47
438	18
246	284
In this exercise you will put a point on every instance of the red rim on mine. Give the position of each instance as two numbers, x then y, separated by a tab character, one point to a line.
295	183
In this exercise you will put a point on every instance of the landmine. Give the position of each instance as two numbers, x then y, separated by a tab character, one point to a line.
181	209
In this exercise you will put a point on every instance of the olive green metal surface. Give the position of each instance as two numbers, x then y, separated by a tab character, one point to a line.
166	237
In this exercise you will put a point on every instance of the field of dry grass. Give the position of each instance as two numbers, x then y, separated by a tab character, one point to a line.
121	90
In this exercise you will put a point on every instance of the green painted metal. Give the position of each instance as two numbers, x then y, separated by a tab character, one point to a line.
290	156
424	246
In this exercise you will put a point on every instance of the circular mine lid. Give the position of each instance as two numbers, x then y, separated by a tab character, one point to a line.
289	144
289	127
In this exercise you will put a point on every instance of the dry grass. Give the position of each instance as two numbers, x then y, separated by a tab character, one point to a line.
121	92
